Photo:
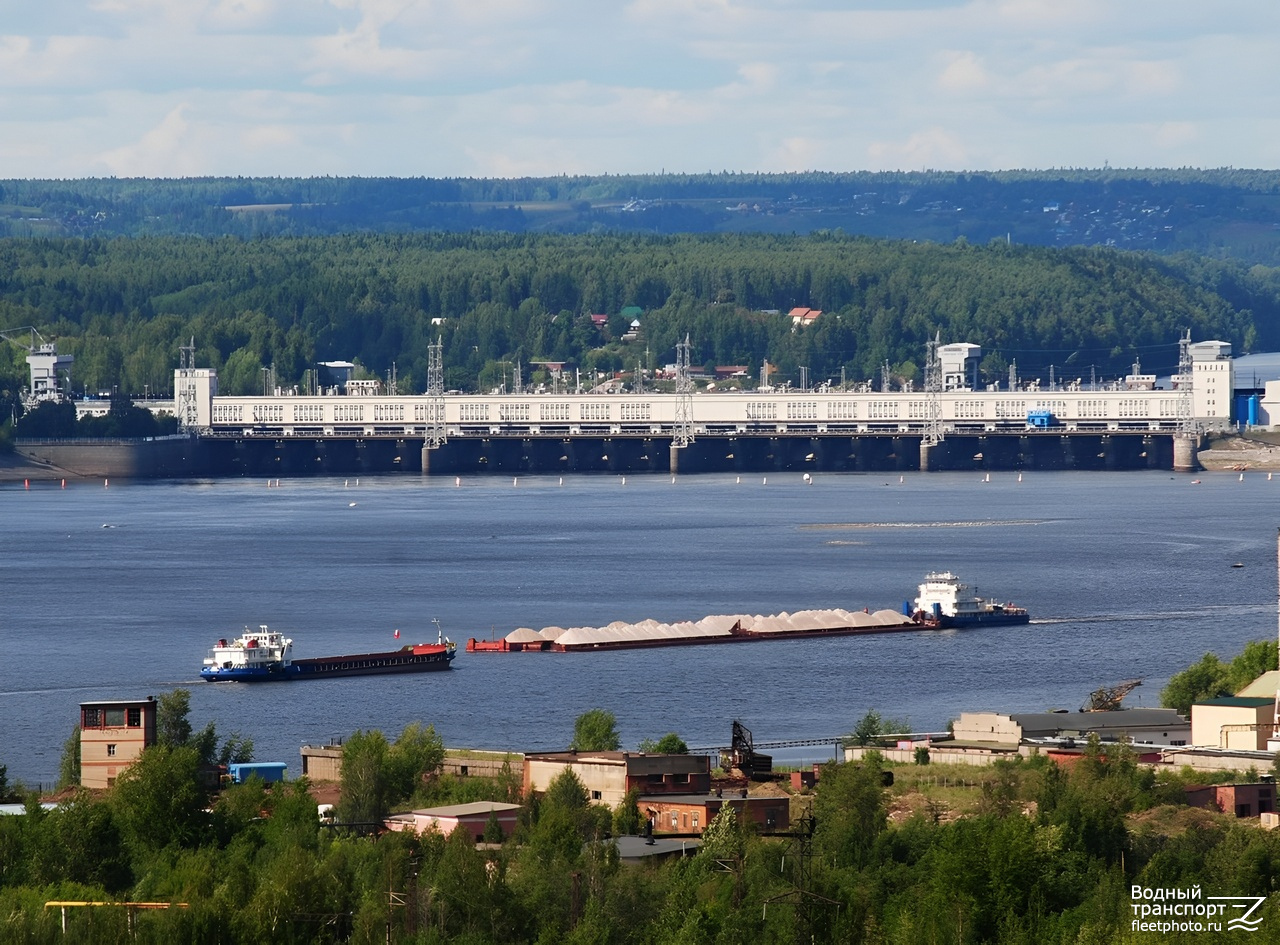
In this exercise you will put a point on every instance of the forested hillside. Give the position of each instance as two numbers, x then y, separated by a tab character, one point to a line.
123	306
1225	212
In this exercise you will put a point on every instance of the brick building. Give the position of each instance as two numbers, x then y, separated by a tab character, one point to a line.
112	736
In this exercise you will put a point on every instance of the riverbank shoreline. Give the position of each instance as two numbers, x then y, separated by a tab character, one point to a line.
1240	453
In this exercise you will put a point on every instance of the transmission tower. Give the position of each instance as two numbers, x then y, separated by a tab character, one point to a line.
801	896
684	397
933	394
435	395
188	410
1186	405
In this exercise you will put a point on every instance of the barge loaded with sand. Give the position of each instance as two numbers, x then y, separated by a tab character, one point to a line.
932	611
724	628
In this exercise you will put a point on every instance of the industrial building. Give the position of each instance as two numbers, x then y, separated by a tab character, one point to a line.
609	776
473	817
1233	722
1141	726
691	813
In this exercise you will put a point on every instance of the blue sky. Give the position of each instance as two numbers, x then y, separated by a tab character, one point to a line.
502	88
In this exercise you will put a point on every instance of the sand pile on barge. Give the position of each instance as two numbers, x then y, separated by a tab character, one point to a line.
719	626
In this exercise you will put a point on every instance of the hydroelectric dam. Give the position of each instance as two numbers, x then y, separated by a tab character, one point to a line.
1126	424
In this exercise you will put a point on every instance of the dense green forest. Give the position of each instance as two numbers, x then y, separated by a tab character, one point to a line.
1024	852
123	306
1224	212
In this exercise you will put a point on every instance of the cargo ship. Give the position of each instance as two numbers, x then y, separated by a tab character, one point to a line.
947	602
264	655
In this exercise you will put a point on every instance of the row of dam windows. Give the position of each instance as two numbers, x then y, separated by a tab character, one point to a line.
754	410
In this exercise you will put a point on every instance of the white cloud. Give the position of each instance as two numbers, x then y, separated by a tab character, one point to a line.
166	145
548	86
964	73
929	148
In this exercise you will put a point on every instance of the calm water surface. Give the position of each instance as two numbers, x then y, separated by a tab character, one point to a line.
118	592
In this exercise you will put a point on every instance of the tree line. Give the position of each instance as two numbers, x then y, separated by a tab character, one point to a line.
1037	853
268	310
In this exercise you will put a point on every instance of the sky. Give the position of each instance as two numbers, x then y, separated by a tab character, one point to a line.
511	88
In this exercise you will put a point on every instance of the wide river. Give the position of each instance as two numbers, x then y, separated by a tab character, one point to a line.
117	592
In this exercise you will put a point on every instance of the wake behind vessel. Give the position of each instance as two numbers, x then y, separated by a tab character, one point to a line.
944	599
264	655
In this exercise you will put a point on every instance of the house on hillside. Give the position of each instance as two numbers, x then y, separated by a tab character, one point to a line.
802	316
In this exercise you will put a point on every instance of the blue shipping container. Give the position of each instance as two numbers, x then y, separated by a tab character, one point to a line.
268	771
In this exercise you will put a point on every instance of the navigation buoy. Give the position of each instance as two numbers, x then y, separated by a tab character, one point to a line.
1242	477
26	483
106	483
515	480
457	480
562	480
738	481
901	480
764	481
987	477
346	483
64	483
624	480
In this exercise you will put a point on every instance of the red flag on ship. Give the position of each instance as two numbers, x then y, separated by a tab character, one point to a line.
397	633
